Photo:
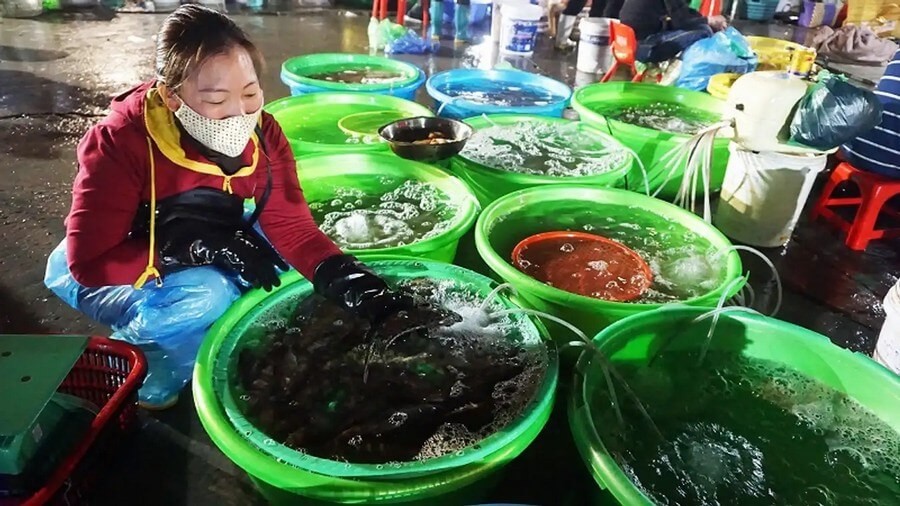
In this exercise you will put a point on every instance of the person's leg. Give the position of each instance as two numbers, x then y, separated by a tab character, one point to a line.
461	20
436	15
167	322
567	23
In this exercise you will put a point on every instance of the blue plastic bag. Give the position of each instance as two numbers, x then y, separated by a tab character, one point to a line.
167	323
726	51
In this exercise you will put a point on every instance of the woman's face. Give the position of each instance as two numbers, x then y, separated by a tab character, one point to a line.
225	85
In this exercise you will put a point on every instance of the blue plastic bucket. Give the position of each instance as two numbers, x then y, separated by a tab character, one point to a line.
463	93
761	10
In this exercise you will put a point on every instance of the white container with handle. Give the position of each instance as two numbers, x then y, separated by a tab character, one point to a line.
763	195
594	54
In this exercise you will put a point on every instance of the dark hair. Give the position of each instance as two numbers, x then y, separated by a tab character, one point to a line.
190	35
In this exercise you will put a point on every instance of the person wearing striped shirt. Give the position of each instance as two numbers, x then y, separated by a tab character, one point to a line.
878	150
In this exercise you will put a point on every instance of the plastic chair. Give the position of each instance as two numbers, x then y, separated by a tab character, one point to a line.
623	45
711	8
875	192
380	10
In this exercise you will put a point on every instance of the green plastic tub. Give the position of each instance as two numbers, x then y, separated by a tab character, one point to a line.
311	122
285	476
650	145
320	176
569	207
490	183
638	338
303	74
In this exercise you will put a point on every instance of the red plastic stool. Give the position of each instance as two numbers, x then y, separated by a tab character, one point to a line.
624	46
875	192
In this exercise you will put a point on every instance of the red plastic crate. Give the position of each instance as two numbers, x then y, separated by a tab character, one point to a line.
107	374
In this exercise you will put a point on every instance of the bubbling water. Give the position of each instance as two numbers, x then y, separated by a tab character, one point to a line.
544	149
666	117
413	211
741	430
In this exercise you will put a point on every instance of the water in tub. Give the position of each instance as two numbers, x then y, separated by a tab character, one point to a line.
412	211
357	75
321	383
500	93
543	149
666	117
739	430
684	264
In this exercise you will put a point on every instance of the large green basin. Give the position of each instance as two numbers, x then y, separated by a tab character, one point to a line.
636	339
490	183
564	207
650	145
310	122
320	175
284	476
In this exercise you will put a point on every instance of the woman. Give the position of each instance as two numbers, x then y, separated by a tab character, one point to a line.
157	245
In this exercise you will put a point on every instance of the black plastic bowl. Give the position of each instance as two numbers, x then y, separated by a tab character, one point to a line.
405	138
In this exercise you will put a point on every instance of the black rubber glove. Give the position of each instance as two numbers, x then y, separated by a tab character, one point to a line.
345	281
186	242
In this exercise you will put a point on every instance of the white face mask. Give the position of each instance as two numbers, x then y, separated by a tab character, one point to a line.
228	136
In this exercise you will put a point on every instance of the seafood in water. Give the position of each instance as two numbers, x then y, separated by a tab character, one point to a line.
331	386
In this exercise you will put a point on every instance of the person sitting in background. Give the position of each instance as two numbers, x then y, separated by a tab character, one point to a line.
651	17
878	150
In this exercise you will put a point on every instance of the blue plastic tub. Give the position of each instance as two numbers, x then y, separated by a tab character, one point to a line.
464	93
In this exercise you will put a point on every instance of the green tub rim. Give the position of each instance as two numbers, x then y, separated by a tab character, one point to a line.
580	302
599	461
324	99
309	483
452	186
289	70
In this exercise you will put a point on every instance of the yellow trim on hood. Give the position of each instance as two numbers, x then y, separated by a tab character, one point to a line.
160	123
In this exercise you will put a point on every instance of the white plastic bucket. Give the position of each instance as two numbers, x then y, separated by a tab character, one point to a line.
763	195
887	350
594	54
519	28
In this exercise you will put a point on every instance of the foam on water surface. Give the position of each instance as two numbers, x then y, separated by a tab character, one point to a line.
412	211
545	149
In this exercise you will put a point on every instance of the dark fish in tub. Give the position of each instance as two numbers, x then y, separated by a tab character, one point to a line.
306	386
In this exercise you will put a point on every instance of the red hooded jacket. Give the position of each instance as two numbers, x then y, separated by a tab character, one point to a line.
136	155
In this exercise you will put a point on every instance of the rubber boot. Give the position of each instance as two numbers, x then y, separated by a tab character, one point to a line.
436	12
461	23
564	31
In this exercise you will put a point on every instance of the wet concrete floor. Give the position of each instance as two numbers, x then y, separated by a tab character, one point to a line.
57	75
